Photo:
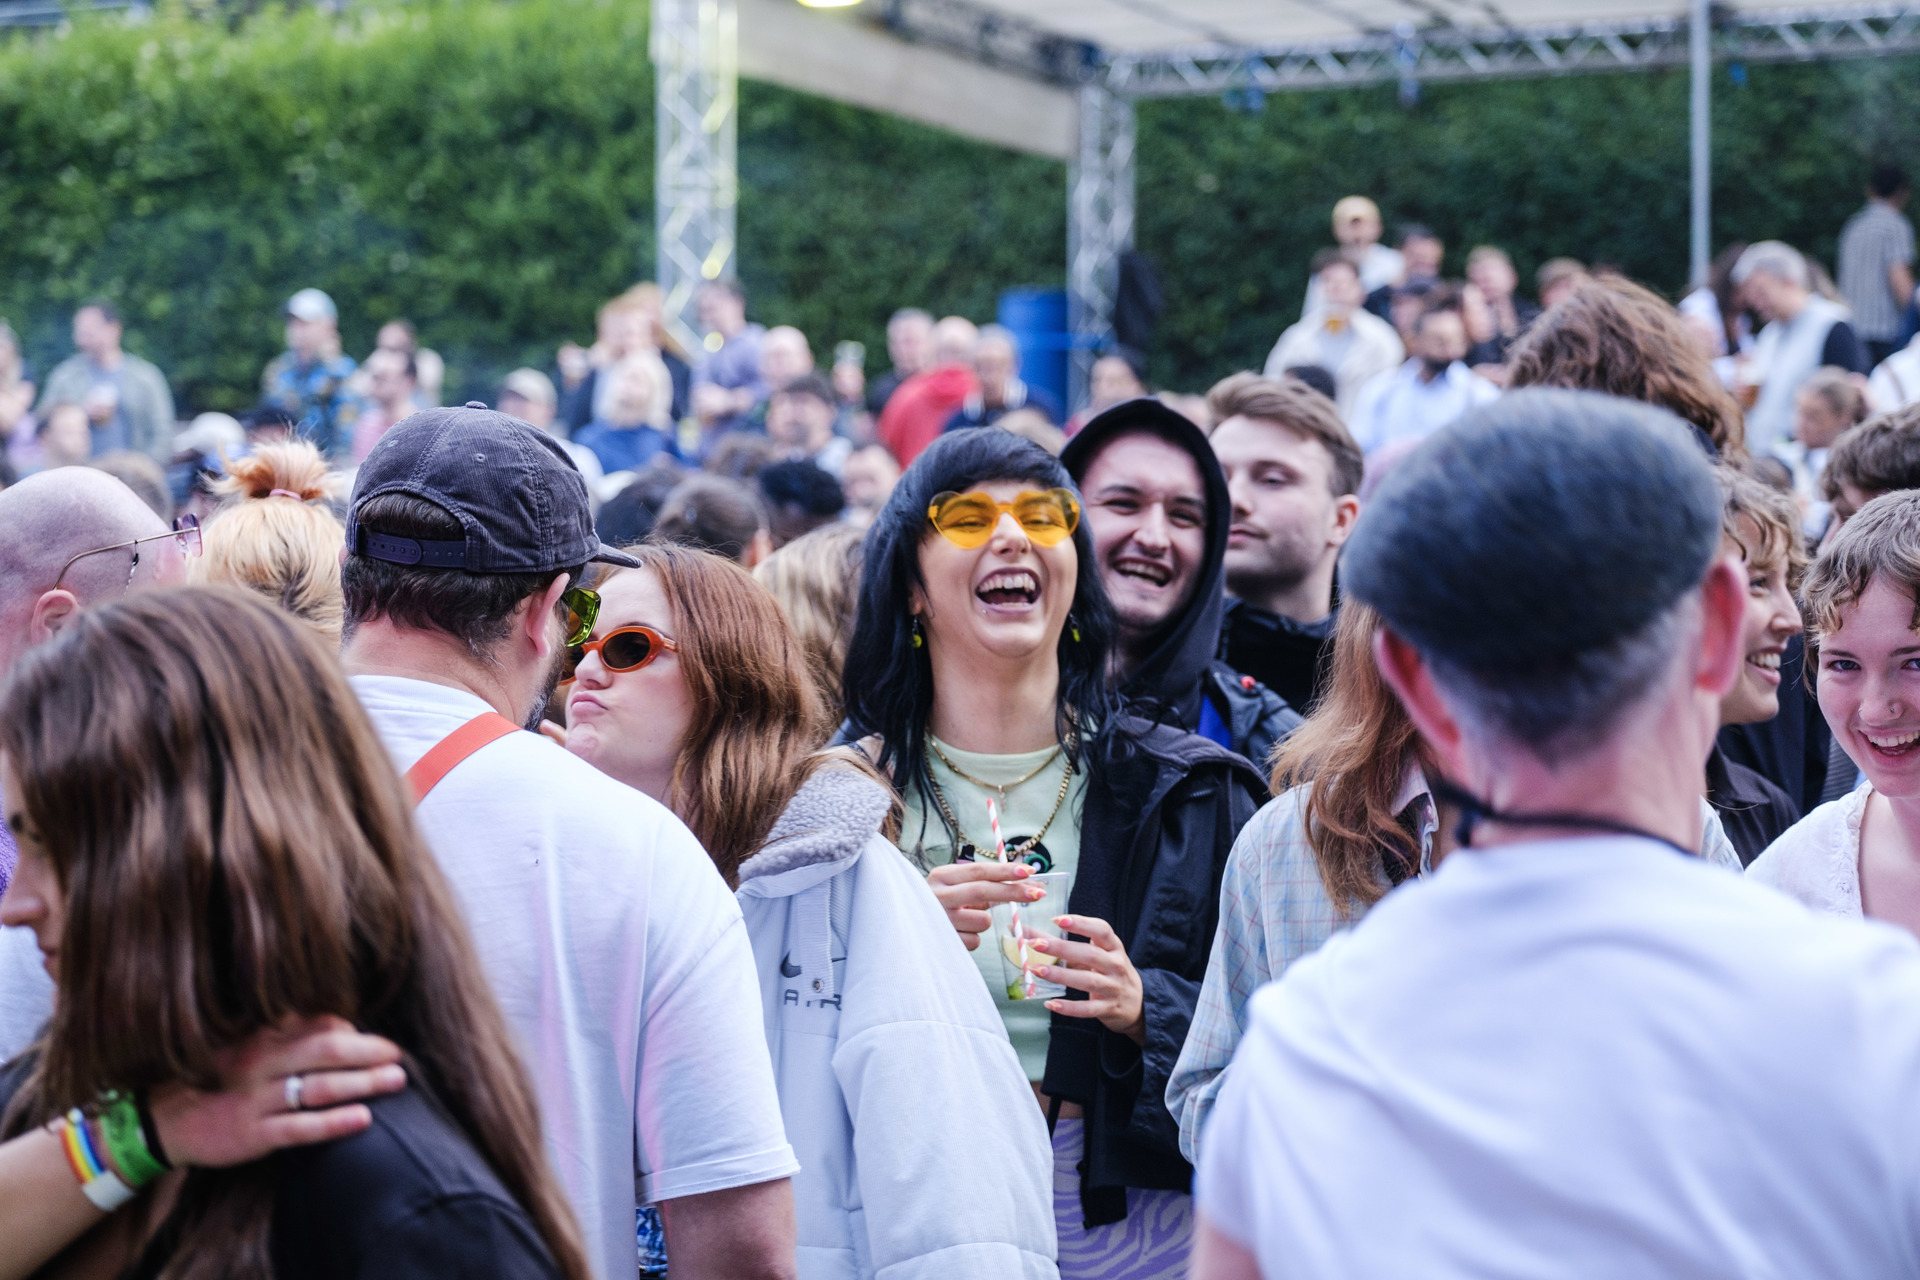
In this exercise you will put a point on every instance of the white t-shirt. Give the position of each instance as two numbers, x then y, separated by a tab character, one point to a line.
1816	861
619	958
1588	1057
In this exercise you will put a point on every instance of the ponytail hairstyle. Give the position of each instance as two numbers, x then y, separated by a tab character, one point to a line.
235	849
276	536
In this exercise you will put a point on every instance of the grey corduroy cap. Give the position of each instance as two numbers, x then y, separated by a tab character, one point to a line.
1542	526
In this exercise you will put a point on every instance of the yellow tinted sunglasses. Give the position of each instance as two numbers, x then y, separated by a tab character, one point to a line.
1048	516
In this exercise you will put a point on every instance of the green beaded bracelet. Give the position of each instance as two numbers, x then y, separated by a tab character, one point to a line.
127	1140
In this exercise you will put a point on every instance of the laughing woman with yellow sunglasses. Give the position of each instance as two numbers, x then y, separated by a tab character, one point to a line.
979	671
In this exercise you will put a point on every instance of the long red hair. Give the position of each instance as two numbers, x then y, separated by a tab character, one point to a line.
1351	755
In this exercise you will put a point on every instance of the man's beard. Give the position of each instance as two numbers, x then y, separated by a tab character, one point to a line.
555	670
1289	562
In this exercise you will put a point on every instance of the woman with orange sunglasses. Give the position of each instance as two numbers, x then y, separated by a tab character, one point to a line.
978	672
694	689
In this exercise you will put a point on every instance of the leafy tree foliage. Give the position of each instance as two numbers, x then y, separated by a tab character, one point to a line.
486	169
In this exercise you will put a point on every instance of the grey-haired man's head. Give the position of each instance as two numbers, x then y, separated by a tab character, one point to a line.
1773	278
1545	559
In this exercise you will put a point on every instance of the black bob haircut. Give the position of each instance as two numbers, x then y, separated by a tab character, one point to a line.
887	682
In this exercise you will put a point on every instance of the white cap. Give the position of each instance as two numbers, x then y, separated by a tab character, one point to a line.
212	434
312	304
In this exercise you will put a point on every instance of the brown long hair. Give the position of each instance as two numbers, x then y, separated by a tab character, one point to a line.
1352	754
236	849
1615	336
758	721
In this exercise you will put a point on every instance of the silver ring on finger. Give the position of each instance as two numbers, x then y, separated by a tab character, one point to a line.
294	1087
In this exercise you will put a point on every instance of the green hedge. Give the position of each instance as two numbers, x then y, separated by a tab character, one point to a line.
1232	205
486	169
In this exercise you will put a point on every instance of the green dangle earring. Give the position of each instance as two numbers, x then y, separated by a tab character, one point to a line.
919	637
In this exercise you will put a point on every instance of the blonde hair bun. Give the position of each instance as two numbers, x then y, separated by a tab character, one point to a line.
293	468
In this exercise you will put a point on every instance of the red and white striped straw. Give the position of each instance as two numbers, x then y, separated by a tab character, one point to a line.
1019	930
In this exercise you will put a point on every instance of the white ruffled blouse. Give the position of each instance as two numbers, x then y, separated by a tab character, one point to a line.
1817	859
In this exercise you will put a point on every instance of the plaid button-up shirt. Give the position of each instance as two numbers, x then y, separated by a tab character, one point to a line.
1275	909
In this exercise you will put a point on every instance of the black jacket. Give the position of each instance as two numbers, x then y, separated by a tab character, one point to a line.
1163	808
1753	810
1789	750
1257	718
1289	657
1183	666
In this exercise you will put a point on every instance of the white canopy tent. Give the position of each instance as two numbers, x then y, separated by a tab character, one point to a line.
1061	78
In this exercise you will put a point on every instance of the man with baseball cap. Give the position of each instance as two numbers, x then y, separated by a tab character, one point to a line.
1573	1047
309	379
617	954
1357	228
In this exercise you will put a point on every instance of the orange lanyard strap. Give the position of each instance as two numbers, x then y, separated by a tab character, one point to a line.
447	754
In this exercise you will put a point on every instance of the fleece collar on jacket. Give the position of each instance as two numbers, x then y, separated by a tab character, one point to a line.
825	825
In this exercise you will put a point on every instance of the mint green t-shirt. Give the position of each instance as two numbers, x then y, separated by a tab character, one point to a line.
924	836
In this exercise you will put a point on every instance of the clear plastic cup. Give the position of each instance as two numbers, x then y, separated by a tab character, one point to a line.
1035	920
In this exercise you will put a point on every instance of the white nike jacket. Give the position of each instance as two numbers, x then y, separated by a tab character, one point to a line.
923	1155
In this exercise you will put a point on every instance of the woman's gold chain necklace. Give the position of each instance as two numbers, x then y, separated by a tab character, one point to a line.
1025	846
998	788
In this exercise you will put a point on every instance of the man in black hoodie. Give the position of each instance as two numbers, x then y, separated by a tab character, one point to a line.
1157	507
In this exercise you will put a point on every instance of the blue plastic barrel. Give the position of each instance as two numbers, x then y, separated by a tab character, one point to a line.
1038	319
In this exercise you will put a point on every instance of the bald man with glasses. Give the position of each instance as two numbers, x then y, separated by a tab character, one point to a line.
70	538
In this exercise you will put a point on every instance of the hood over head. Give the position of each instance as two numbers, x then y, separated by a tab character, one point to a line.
1172	670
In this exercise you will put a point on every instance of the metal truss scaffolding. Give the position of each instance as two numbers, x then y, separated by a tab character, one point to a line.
1452	53
694	43
1100	189
696	179
695	56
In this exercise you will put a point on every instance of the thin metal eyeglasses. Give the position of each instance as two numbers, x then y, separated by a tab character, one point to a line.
185	532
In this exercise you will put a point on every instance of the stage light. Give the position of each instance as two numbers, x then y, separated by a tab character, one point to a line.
828	4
